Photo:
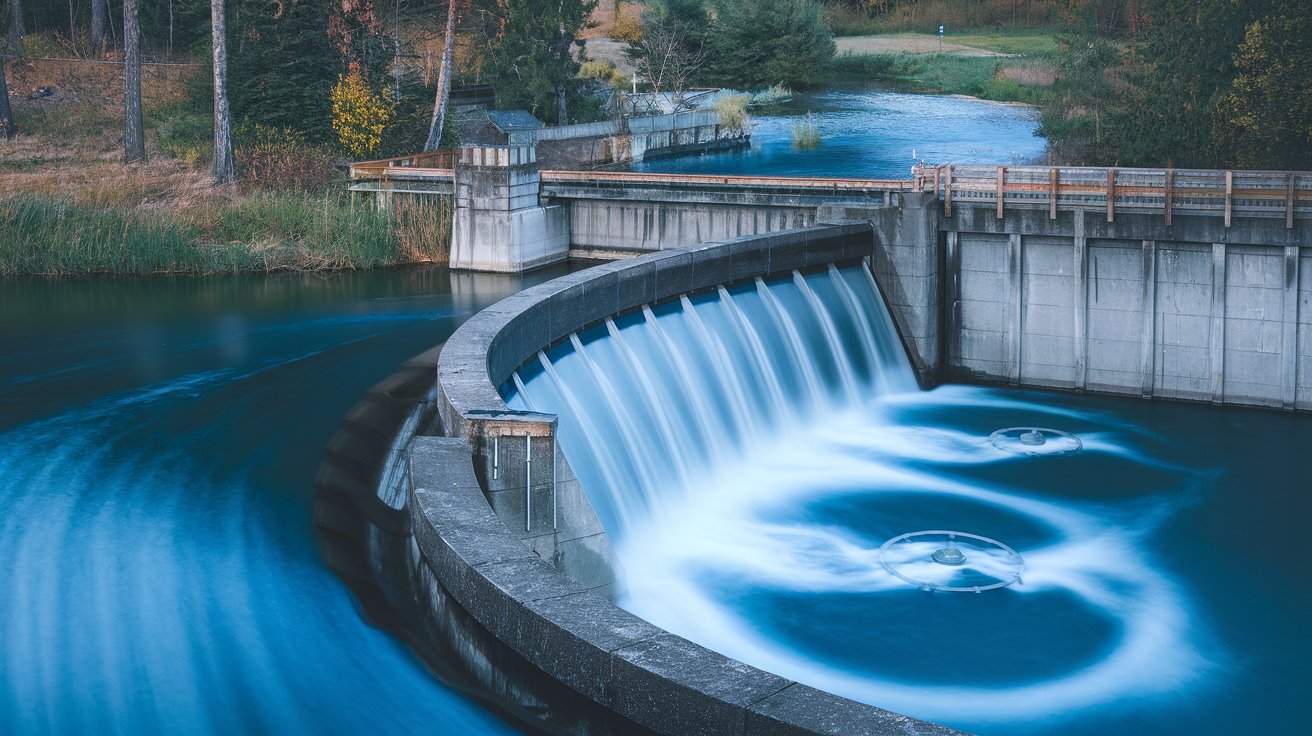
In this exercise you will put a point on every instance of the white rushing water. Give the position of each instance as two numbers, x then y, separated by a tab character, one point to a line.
749	451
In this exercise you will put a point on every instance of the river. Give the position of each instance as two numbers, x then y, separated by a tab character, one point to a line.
874	134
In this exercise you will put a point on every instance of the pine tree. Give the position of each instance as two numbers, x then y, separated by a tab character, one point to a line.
284	67
1265	118
523	47
761	42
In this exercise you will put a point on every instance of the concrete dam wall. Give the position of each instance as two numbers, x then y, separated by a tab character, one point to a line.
473	517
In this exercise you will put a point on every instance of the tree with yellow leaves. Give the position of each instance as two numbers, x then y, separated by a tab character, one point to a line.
359	115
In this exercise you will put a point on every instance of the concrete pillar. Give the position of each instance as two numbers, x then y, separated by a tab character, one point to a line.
905	263
1218	323
1081	272
499	224
1149	302
1289	343
1015	307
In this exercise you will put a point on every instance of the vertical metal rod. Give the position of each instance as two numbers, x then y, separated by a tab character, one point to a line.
528	482
555	453
496	455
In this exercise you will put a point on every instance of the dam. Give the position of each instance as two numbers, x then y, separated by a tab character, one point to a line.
729	439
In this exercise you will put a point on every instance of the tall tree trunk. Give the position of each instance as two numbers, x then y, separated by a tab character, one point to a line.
564	43
16	26
443	80
224	168
134	134
99	9
7	127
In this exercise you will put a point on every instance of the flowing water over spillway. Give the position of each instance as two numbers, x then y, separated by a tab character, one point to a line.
873	133
751	450
159	440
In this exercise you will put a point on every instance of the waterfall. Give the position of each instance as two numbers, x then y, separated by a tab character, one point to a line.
650	402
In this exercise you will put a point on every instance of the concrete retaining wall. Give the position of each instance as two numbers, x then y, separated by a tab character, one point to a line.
1189	311
523	597
630	141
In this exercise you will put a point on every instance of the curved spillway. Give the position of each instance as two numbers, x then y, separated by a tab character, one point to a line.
751	449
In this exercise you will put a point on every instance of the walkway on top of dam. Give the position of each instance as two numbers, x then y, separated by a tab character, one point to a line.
1167	192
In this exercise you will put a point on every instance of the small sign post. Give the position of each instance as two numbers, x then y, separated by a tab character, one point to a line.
940	38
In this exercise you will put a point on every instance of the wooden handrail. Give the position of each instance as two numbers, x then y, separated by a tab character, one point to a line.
1169	191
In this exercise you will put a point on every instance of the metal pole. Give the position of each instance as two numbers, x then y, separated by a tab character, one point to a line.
496	455
528	482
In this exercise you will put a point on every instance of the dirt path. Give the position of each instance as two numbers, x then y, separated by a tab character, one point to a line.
907	43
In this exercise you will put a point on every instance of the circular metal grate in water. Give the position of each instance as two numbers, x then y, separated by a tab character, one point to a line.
1035	441
958	562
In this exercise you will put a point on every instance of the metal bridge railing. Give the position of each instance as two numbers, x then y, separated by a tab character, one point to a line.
1169	192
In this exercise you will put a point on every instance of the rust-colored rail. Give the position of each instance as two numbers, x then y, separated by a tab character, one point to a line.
1168	192
774	182
417	162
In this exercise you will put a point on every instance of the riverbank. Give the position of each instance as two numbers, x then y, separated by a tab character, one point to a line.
1013	66
69	205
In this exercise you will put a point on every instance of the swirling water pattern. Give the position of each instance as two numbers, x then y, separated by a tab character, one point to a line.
1150	602
159	440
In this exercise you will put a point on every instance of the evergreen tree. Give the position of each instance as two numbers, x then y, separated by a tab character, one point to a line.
760	42
284	66
1265	119
1187	47
523	49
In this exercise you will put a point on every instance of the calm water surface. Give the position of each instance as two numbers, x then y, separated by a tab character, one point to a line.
159	439
872	133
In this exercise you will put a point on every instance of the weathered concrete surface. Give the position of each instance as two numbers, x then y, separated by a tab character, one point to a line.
1193	310
905	263
476	534
499	224
646	676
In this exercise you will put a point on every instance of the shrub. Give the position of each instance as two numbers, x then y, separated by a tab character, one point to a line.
279	159
626	28
733	111
603	71
359	116
772	95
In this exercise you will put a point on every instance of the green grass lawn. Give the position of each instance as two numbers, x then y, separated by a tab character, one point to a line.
1025	42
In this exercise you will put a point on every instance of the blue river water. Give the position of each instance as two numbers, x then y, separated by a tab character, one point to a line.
159	439
874	134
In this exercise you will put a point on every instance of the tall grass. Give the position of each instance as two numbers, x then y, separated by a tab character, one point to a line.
261	232
805	133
